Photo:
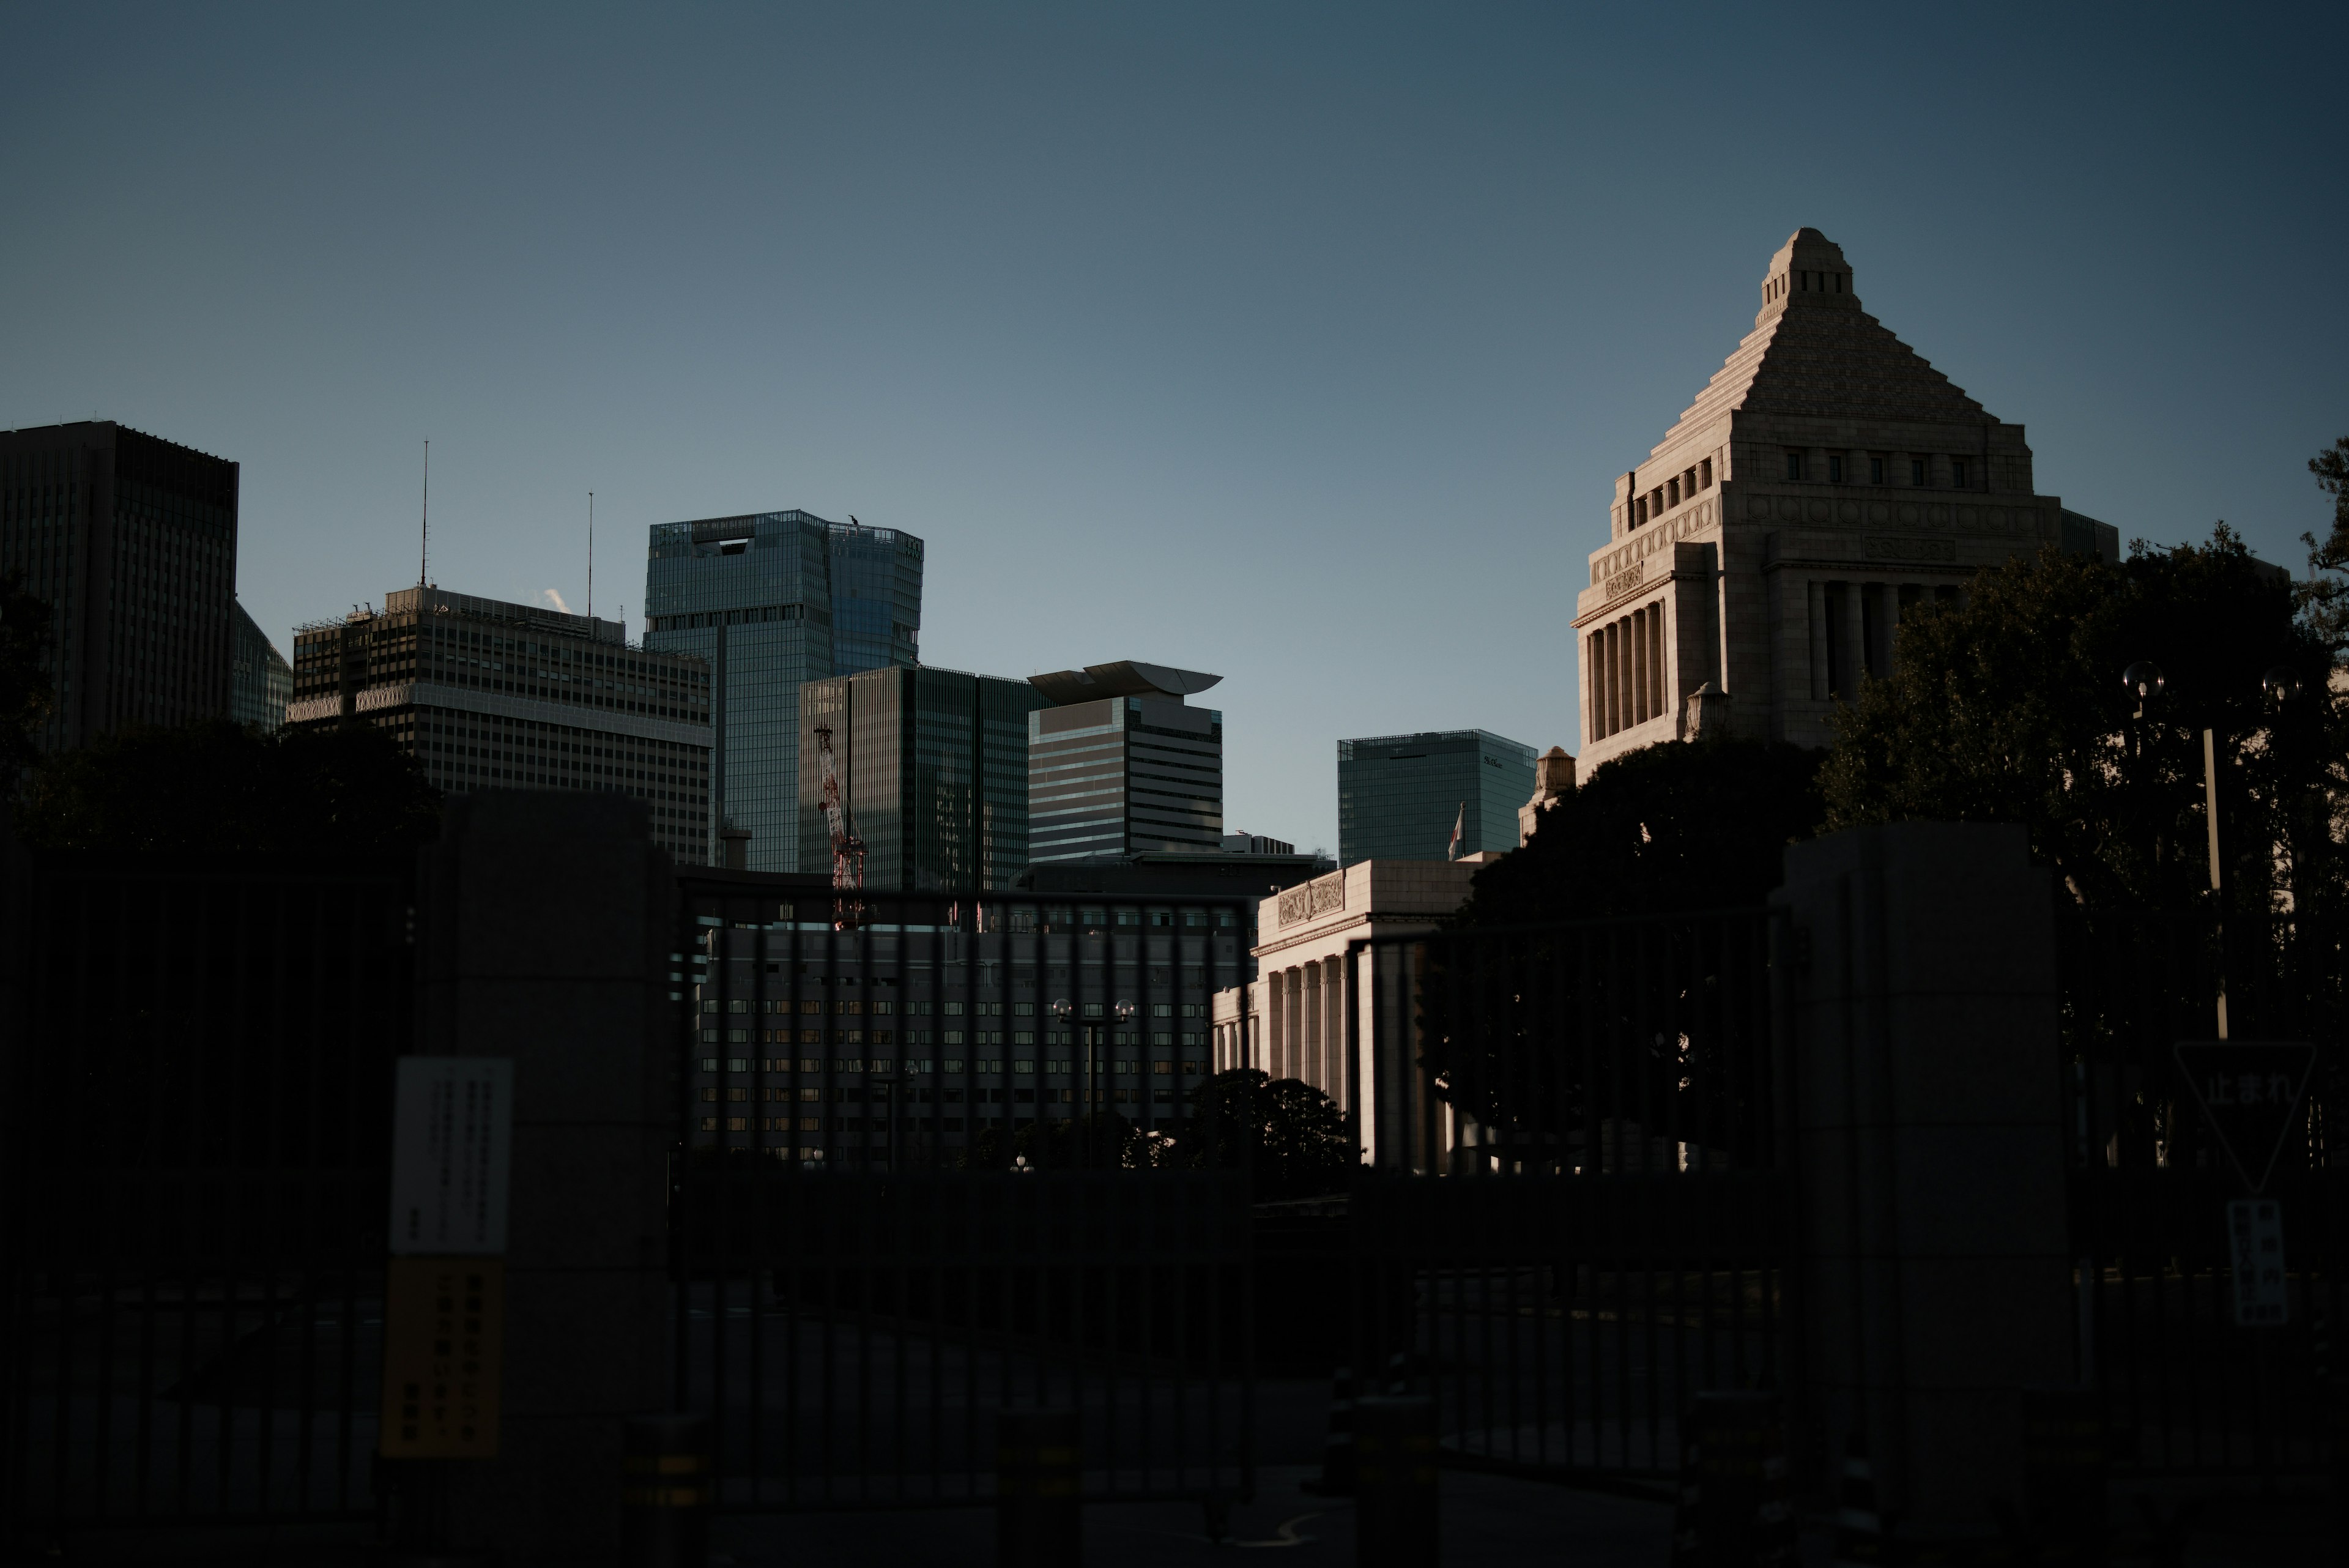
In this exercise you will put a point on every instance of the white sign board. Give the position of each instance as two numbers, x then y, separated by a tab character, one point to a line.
2255	1248
451	1142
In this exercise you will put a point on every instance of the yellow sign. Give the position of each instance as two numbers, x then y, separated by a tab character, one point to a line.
443	1332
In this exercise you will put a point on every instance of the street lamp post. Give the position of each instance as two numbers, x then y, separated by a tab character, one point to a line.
1064	1012
2280	686
1126	1014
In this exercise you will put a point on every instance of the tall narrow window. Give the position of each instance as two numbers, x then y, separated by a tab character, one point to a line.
1671	494
1875	471
1834	468
1917	472
1704	474
1957	474
1794	465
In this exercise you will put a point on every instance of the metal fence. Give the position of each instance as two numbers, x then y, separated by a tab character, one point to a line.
939	1157
2186	1389
1615	1237
193	1148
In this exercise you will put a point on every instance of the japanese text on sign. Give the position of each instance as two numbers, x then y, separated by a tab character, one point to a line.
451	1145
2248	1089
442	1344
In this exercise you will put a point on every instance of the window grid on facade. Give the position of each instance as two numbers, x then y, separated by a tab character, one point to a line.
1399	796
485	694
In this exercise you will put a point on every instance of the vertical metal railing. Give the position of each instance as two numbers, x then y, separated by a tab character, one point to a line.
938	1156
2185	1390
1577	1215
193	1153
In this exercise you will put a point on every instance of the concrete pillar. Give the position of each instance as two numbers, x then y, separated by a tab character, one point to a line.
1926	1121
1295	992
1334	1029
1854	639
1606	680
1656	665
546	918
1816	597
1638	623
1309	1005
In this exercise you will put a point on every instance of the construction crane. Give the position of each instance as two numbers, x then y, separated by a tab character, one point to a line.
847	849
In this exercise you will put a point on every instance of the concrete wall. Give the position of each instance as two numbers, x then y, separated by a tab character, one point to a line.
547	918
1927	1124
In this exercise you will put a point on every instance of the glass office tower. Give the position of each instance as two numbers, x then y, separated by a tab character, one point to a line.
260	681
773	601
1119	764
933	769
1399	796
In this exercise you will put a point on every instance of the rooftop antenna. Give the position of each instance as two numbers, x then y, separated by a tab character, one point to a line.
591	555
424	556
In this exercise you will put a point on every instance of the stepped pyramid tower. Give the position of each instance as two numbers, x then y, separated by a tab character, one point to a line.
1827	483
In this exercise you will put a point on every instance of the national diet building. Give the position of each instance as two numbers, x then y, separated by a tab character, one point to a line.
1828	482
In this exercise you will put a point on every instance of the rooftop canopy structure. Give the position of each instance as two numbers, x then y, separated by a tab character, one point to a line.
1127	678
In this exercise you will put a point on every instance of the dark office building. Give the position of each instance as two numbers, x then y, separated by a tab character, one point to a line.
771	602
131	542
260	681
903	1042
486	695
1399	796
1120	765
933	770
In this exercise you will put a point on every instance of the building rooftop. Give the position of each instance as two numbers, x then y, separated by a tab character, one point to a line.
1814	352
1127	678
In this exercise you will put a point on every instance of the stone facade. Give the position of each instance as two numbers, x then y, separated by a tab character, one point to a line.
1826	484
1295	1014
1553	782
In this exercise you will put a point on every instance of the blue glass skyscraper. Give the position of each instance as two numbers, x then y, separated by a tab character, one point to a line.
773	601
1400	796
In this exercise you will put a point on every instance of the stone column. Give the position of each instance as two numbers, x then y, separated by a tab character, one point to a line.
1334	1029
1308	1006
1854	638
1926	1124
547	919
1816	599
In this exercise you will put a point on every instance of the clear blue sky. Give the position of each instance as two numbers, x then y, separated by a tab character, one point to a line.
1297	343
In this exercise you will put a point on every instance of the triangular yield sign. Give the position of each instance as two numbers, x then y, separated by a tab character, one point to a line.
2251	1091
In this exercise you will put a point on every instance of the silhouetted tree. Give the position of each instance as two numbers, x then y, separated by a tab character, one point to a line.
1681	825
2324	598
1102	1141
1290	1135
346	789
2011	709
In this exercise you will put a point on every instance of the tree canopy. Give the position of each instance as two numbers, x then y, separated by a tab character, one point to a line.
2012	707
2325	596
1104	1140
1288	1133
216	785
1682	825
